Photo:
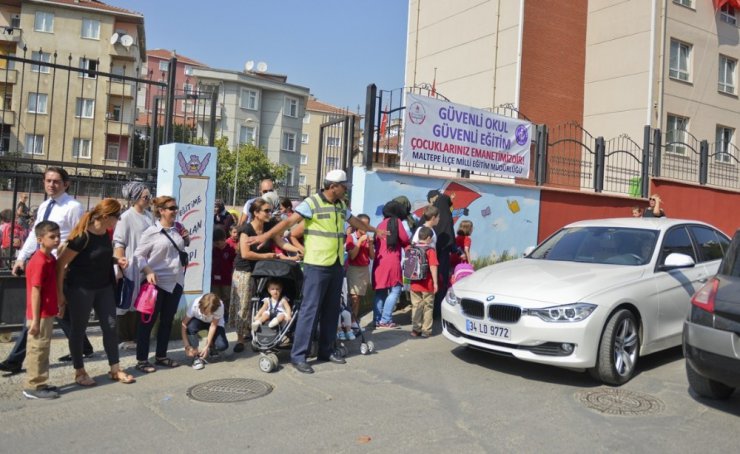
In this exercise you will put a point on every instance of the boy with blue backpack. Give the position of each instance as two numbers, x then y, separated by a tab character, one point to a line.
420	267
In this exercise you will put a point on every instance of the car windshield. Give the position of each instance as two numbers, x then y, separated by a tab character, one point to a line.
607	245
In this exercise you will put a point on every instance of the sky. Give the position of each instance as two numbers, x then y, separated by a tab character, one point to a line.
333	47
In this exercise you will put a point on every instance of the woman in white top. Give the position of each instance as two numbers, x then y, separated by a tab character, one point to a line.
159	260
129	229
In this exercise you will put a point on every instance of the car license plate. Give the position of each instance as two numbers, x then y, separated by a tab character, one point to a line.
487	329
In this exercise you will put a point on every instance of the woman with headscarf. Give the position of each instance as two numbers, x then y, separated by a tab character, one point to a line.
221	217
409	221
134	221
387	276
445	243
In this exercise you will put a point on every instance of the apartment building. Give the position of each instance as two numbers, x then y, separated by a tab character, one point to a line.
258	108
318	113
59	115
612	67
186	84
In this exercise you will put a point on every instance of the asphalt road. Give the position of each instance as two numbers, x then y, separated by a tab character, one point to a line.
422	395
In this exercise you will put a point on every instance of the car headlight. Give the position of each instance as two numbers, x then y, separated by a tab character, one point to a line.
565	313
451	298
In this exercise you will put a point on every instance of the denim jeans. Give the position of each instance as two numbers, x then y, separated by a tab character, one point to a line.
385	302
219	340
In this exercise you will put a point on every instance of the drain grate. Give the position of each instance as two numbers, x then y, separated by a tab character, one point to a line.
615	401
229	390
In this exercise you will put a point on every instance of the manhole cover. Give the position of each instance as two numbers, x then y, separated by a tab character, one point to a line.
229	390
615	401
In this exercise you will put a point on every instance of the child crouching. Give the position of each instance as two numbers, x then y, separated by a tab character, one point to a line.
275	307
206	312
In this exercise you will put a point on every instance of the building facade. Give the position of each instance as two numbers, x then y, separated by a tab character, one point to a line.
260	109
64	115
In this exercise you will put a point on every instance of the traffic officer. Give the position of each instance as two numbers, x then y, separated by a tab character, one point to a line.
325	215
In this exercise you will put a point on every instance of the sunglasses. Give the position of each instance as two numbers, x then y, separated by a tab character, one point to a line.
266	210
267	190
171	208
146	197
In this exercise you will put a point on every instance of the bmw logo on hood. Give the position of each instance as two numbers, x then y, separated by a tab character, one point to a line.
491	298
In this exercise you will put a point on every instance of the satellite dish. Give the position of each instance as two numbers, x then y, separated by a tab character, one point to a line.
249	65
261	67
127	41
114	38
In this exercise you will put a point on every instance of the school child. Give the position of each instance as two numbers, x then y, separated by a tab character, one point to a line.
360	249
41	308
423	290
222	267
462	244
205	313
636	212
275	307
430	218
344	326
233	239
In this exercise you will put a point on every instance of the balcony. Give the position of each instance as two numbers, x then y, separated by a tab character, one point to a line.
117	128
8	117
120	89
10	34
8	76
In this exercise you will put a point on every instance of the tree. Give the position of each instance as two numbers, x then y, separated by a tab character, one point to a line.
253	166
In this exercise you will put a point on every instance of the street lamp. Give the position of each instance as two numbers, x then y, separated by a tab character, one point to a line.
236	150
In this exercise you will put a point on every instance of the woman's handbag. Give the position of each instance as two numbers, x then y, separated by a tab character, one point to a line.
184	256
146	301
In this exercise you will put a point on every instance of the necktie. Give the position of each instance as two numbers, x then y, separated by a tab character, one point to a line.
47	212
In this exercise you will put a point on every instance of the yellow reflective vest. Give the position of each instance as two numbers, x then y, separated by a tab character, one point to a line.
324	233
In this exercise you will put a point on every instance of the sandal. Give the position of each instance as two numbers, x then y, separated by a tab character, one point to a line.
121	376
145	366
166	362
84	380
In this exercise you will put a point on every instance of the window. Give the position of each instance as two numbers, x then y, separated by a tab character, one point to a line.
37	103
188	70
81	148
90	29
712	244
7	100
164	65
677	240
15	21
290	171
676	136
302	180
726	79
722	151
249	99
91	66
44	22
42	57
680	60
115	113
727	14
686	3
332	163
85	108
111	151
187	88
288	141
333	142
34	144
247	135
304	159
187	107
307	117
291	107
119	71
304	138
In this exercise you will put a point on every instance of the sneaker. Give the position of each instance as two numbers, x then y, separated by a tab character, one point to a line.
273	323
44	393
425	335
350	335
198	364
341	336
389	325
415	333
256	326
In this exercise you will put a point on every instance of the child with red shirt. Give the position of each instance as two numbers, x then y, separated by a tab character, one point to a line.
360	250
222	267
422	291
41	308
233	239
461	254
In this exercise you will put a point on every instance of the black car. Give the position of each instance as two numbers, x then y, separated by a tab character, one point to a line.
711	334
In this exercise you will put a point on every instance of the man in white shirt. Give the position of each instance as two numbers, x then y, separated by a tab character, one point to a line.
63	209
266	186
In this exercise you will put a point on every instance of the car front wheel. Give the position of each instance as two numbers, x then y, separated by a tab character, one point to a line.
618	349
706	387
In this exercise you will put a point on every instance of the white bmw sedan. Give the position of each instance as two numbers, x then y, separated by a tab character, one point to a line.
595	295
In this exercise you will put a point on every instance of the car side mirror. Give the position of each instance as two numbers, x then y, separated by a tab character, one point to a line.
676	260
528	251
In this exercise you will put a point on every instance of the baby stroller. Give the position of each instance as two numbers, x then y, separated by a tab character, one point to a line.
268	340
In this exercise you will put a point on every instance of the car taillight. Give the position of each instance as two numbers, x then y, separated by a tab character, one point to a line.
704	298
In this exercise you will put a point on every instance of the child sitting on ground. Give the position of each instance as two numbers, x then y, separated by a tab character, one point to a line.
205	313
275	307
344	327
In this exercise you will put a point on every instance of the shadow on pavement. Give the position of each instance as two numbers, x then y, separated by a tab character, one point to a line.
730	406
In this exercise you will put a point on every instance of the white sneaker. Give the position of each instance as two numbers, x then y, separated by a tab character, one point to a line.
350	335
256	325
198	364
273	323
341	336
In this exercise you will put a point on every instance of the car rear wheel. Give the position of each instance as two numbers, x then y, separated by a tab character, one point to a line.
706	387
618	349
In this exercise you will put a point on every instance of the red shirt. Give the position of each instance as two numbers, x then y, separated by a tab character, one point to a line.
462	242
363	256
234	244
427	285
222	265
41	272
